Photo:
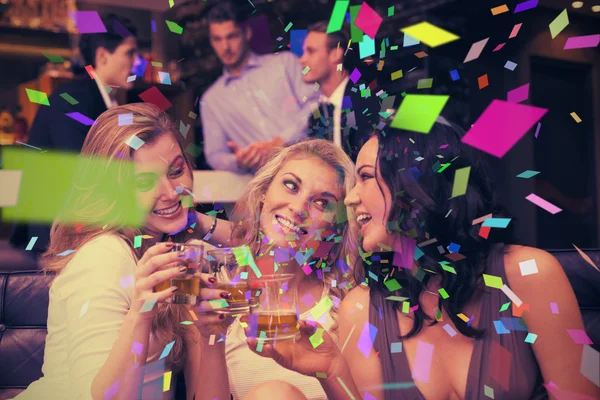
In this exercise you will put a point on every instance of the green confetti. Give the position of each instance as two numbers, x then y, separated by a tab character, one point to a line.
405	307
174	27
321	308
38	97
448	268
443	293
504	306
288	27
321	375
391	11
157	64
461	180
316	339
530	338
356	35
137	242
219	304
488	391
54	57
396	298
171	3
305	70
186	323
418	112
559	23
187	201
397	74
391	284
425	83
492	281
69	98
443	167
337	16
260	344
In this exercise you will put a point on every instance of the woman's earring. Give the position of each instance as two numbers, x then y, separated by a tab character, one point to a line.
262	198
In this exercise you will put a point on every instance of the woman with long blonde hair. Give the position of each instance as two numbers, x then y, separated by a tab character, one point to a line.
103	324
295	204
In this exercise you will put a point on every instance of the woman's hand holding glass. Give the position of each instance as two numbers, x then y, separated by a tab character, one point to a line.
208	320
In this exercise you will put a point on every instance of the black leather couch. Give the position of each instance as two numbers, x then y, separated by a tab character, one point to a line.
24	311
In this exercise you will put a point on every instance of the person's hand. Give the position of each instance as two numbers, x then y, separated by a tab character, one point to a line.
157	265
256	155
301	356
208	321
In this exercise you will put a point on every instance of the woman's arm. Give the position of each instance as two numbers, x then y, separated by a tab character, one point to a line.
557	353
222	234
205	369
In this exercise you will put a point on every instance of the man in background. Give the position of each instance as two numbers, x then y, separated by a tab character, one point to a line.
258	105
110	57
348	118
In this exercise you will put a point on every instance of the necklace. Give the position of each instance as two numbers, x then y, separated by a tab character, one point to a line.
433	293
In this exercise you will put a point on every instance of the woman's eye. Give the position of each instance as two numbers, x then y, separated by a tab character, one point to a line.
364	177
176	173
145	185
290	185
322	203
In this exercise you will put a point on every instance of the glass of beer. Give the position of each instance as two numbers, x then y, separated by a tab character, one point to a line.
232	278
188	284
275	317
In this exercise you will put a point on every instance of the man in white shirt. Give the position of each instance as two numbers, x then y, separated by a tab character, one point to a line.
343	114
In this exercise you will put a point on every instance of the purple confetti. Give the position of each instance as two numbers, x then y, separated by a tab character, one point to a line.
111	391
282	255
537	130
449	330
126	281
153	26
79	117
355	75
121	30
308	299
526	5
87	21
422	363
582	42
554	308
367	337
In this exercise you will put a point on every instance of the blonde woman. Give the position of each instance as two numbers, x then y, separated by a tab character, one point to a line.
99	338
294	202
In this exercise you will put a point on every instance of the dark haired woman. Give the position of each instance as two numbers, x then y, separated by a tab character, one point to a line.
475	320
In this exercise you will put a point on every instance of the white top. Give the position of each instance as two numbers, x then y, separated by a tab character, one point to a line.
337	98
89	300
247	369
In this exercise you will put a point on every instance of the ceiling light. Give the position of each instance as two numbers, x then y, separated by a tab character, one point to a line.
596	8
577	4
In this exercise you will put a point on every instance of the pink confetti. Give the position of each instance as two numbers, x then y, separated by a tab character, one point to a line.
475	50
126	281
579	336
515	31
404	252
501	126
367	337
519	94
538	201
537	130
355	75
367	21
307	270
87	21
554	308
500	46
422	361
582	42
111	391
137	348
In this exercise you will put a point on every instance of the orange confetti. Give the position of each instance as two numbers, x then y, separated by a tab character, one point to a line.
482	81
421	54
499	10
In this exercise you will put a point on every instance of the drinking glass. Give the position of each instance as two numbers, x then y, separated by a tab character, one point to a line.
275	317
232	278
188	284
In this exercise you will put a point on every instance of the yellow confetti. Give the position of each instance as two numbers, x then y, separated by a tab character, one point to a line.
167	381
575	117
463	317
397	74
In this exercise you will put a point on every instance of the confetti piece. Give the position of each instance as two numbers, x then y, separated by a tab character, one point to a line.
355	75
84	309
154	96
87	21
167	381
488	391
111	391
505	306
297	37
135	142
579	336
449	330
422	362
65	253
582	42
586	258
366	47
171	3
559	23
538	201
530	338
496	222
337	16
425	83
288	27
429	34
463	317
409	41
126	281
397	74
316	339
186	323
69	98
496	134
461	180
166	350
396	298
321	375
443	293
37	97
454	75
31	243
392	285
554	308
482	81
149	304
575	117
79	117
137	241
321	308
526	5
512	296
356	35
131	78
499	10
510	65
174	27
366	339
528	267
54	58
475	50
164	78
492	281
396	347
125	119
590	364
519	94
500	328
419	112
515	31
448	268
368	20
499	47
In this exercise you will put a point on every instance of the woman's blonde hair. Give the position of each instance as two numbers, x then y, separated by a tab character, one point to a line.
99	212
344	253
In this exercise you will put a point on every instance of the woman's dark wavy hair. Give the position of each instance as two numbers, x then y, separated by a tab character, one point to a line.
421	211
